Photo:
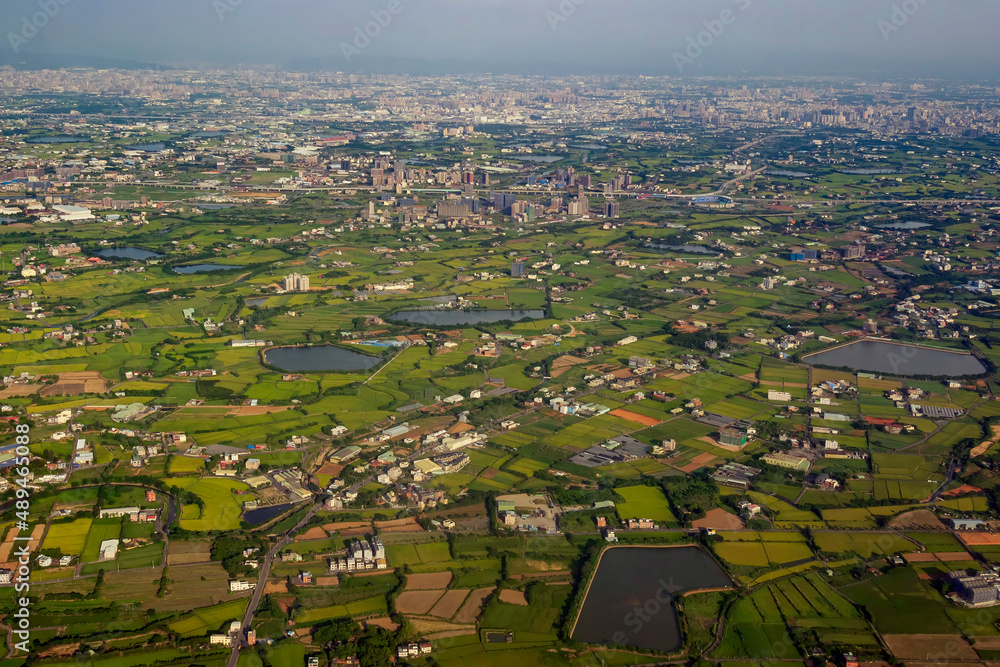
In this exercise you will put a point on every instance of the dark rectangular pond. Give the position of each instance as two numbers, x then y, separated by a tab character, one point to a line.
59	139
536	158
148	148
631	596
865	172
127	253
265	514
319	358
449	318
790	174
905	225
896	359
204	268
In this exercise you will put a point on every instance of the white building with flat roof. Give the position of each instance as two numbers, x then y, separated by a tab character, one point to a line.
109	550
74	213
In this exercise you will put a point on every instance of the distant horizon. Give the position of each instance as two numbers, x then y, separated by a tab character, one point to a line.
450	68
677	38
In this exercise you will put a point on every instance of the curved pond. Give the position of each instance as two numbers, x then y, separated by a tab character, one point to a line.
646	578
462	317
896	359
319	358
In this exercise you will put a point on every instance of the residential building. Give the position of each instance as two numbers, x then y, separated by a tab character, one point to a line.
731	437
296	283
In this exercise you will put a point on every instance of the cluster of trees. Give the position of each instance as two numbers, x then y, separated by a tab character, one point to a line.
691	497
696	340
229	550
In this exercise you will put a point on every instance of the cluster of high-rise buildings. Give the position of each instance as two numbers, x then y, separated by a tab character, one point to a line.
296	283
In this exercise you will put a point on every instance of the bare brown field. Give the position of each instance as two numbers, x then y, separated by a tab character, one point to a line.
276	587
327	581
383	622
254	410
981	449
184	553
918	557
350	526
76	383
431	628
417	602
962	490
987	643
981	539
331	469
636	417
449	603
917	519
314	533
8	545
953	556
19	390
428	581
513	597
473	605
930	647
564	363
719	519
699	461
407	525
544	566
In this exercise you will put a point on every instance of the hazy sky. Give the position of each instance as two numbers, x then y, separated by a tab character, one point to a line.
937	37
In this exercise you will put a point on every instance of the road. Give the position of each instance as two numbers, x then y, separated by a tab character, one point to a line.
386	364
952	468
258	591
